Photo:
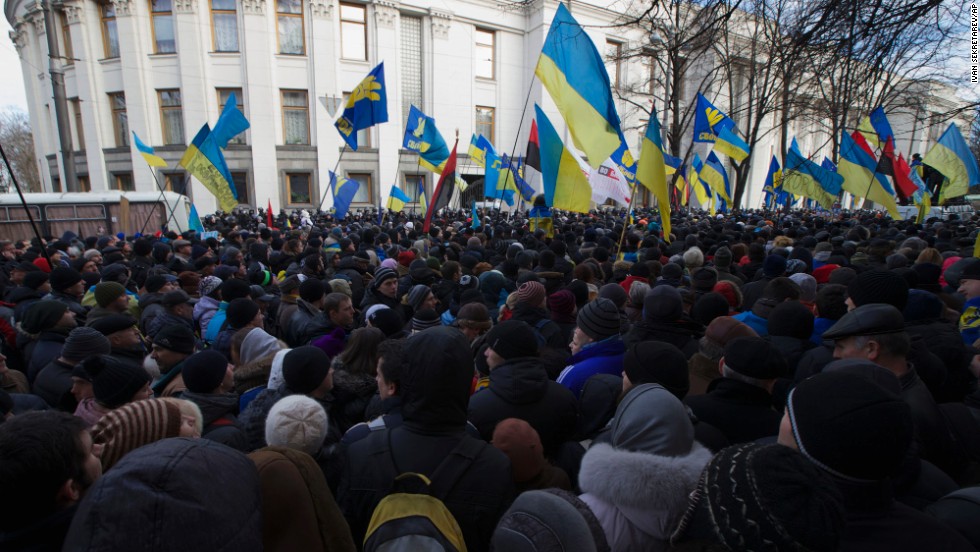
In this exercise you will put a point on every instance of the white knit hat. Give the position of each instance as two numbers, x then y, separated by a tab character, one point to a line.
297	422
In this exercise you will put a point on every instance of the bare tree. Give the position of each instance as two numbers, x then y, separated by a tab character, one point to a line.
18	144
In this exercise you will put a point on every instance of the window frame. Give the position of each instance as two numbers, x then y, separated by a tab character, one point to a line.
493	121
363	24
413	179
244	186
493	52
288	181
79	134
108	20
241	139
369	177
122	138
84	183
617	59
154	15
214	36
284	108
302	18
118	179
68	52
171	140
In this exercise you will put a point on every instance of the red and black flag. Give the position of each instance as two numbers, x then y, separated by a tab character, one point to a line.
532	161
444	188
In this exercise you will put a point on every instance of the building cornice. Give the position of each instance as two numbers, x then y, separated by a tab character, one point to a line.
185	6
441	22
123	7
253	7
386	13
322	8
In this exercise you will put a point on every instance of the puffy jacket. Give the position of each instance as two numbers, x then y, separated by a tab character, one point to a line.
602	357
204	311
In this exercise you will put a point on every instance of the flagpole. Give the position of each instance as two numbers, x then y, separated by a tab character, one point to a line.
622	236
170	214
30	217
343	150
418	168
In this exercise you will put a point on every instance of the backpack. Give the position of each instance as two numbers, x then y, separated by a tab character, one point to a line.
413	516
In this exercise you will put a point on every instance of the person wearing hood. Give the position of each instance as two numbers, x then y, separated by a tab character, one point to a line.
519	388
435	390
207	305
42	334
210	385
638	484
549	519
664	320
597	347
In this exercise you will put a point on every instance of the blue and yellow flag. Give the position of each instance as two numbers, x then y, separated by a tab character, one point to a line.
479	148
709	121
565	185
525	189
204	160
623	159
672	164
868	131
476	218
731	145
651	170
539	218
152	159
879	121
422	136
951	156
857	168
344	190
397	199
231	123
366	106
423	204
194	220
805	178
506	185
701	190
575	75
715	175
773	183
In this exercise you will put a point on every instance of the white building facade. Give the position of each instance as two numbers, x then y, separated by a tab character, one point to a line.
162	68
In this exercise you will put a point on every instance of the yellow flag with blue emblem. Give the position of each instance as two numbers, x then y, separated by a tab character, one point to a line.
366	106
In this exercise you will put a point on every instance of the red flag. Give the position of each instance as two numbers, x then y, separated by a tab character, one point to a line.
533	158
863	144
902	181
444	189
268	216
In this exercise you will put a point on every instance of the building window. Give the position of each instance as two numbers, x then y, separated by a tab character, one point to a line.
614	55
123	182
162	19
483	61
298	188
120	122
353	31
414	183
365	193
411	58
484	122
171	116
68	54
176	182
239	179
110	35
295	117
223	94
76	112
289	15
363	135
83	184
224	25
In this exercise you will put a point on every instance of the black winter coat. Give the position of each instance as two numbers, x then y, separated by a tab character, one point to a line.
53	384
220	422
742	412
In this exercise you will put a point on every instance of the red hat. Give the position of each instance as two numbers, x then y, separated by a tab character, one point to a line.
822	274
405	258
43	264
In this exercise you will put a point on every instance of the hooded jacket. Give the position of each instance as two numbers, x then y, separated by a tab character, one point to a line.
601	357
220	423
204	311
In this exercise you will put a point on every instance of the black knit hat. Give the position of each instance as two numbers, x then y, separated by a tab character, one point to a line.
513	339
763	497
755	357
304	369
113	323
658	362
879	286
204	371
177	338
791	319
35	279
42	315
233	288
114	382
240	312
599	319
389	321
663	303
84	342
311	290
850	426
63	278
381	275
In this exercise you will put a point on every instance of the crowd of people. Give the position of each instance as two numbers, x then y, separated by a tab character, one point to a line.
752	381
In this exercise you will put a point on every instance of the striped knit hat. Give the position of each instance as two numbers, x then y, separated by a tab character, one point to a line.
133	425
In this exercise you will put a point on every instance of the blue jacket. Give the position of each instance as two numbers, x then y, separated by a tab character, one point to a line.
754	321
602	357
218	320
820	325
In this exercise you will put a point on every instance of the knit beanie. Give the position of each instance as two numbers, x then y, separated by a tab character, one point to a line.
312	290
763	497
755	357
581	292
42	315
35	279
340	285
599	319
332	343
663	304
710	306
513	339
387	320
615	293
562	304
704	279
63	278
114	382
808	286
843	275
791	319
207	285
879	286
425	319
531	293
84	342
240	312
381	275
297	422
154	282
774	265
177	338
795	266
107	292
203	372
522	444
134	425
658	362
233	288
549	520
922	305
850	426
42	264
417	296
723	257
305	368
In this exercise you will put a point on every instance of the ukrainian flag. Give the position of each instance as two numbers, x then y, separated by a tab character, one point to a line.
480	147
230	123
344	191
397	199
423	204
204	160
194	221
731	145
774	180
715	175
860	179
506	185
152	159
805	178
476	218
422	136
868	131
575	75
565	185
709	121
652	173
366	106
701	189
671	164
952	157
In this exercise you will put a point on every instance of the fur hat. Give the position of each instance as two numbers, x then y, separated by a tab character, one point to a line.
84	342
297	422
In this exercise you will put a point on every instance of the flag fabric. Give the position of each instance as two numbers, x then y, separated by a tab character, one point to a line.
422	137
231	123
444	189
774	181
795	146
731	145
651	171
805	178
671	164
903	181
344	190
861	140
194	220
565	185
715	175
951	156
491	174
479	148
709	121
152	159
476	217
701	190
204	160
607	182
858	171
423	204
540	219
366	106
867	130
828	165
268	216
623	159
398	199
879	122
506	182
525	189
574	73
532	159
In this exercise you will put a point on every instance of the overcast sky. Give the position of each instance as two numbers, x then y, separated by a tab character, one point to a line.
12	92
